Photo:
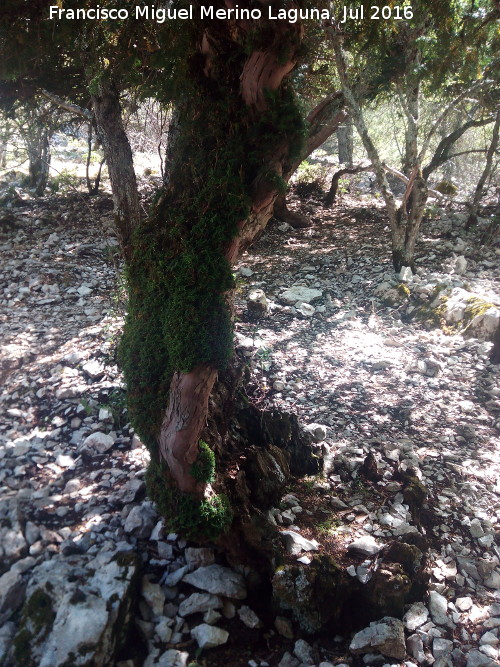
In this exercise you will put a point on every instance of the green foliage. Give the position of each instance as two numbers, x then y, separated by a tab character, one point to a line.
203	469
195	519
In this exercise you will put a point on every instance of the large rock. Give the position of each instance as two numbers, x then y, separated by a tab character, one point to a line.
476	316
314	594
218	580
303	294
365	546
385	636
77	611
12	588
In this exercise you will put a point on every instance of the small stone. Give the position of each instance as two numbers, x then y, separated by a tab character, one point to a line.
406	274
154	596
288	660
463	604
140	521
295	543
303	651
257	305
304	294
284	627
317	431
249	618
199	556
305	309
416	616
489	638
163	630
476	529
173	658
441	647
208	636
415	647
385	636
97	443
493	581
438	606
199	603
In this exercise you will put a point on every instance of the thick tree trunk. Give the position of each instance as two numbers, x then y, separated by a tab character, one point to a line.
107	112
235	136
472	220
345	142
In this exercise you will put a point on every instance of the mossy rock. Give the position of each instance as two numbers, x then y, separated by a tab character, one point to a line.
314	594
37	619
267	473
387	591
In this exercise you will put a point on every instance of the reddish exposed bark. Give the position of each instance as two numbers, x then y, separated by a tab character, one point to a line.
184	420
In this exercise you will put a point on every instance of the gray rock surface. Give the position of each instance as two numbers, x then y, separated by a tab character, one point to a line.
385	636
218	580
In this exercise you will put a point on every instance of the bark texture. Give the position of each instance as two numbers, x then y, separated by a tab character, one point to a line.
118	154
237	131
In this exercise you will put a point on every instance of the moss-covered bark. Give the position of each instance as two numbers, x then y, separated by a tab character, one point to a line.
238	123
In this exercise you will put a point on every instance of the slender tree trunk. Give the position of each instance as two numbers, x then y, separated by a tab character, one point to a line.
345	142
472	220
332	193
38	144
92	187
118	155
410	102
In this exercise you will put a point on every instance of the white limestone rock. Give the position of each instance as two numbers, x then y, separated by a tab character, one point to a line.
218	580
198	603
295	543
385	636
303	294
208	636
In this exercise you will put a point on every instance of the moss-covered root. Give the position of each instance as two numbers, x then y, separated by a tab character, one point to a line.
196	519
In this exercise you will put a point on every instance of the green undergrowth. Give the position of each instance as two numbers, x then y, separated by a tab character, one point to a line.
195	519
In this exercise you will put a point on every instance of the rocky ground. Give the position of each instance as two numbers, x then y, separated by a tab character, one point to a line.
337	339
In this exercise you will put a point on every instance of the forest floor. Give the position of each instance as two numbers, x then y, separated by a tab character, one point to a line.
377	381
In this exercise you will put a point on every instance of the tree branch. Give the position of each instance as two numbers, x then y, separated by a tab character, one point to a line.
68	106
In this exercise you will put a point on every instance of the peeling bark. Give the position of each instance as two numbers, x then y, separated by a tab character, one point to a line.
184	420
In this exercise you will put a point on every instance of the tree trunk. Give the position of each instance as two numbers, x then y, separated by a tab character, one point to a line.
345	142
107	112
472	220
37	137
237	130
